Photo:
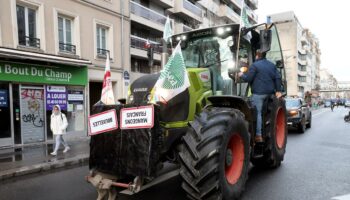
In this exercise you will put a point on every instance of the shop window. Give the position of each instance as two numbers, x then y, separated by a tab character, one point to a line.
75	109
26	25
65	35
5	128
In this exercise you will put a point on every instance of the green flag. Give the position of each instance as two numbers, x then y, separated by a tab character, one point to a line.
168	32
173	78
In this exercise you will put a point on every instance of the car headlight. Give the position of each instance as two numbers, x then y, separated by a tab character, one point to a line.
293	113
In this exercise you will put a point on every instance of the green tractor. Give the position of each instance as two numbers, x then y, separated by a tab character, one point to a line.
206	132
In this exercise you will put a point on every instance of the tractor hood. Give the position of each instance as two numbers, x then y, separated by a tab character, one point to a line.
141	88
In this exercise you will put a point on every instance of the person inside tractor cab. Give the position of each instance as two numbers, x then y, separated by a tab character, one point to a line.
265	80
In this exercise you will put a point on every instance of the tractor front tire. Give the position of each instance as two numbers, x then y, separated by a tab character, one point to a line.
215	155
275	135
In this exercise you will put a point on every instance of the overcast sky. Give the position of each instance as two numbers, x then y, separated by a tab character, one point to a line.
328	20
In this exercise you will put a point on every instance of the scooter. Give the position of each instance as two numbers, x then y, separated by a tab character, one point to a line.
347	117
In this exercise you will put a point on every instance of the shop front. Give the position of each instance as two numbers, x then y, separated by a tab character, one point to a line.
28	93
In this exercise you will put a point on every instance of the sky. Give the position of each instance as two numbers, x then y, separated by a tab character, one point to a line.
328	20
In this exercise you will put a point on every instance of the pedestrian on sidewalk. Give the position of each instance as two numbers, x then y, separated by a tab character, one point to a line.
58	127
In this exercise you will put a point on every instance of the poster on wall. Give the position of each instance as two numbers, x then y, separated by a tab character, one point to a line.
3	99
56	95
75	96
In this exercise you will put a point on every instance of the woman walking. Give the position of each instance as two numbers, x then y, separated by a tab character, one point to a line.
58	127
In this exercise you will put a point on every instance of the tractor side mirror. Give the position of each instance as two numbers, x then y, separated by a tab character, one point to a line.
265	40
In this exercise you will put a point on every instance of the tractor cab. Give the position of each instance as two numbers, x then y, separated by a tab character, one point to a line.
227	49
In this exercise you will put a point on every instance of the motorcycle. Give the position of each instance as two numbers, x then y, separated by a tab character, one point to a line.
347	117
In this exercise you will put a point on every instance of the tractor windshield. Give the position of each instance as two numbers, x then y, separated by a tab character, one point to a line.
214	49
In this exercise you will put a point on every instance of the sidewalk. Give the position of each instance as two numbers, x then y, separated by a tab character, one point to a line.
19	161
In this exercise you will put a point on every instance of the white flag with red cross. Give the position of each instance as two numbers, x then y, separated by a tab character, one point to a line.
107	96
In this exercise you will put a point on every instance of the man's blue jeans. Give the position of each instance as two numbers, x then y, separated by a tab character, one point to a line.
258	101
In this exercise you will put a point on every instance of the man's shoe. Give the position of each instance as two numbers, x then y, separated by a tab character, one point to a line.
259	138
66	149
53	153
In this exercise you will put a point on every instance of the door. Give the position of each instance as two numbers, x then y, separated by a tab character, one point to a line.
32	114
5	113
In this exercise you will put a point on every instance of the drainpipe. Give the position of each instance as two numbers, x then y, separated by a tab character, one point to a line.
122	45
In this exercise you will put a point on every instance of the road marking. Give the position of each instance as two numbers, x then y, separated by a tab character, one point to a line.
344	197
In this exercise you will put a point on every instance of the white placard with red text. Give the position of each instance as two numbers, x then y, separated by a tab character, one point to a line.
137	117
103	122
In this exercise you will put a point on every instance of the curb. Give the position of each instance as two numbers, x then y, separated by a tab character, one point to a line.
82	159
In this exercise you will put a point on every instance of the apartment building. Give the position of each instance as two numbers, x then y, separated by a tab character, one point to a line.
54	52
301	54
329	83
148	18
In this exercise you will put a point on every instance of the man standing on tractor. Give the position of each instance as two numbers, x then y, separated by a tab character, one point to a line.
265	80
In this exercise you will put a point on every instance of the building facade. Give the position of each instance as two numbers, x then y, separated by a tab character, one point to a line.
301	54
54	52
329	84
148	18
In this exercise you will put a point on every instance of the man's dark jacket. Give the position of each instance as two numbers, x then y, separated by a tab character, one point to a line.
263	77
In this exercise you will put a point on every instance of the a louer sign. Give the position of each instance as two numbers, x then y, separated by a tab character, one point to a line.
67	75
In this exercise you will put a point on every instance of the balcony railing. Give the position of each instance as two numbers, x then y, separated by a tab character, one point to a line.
192	8
232	13
251	13
140	43
147	13
186	28
102	52
67	48
29	41
238	3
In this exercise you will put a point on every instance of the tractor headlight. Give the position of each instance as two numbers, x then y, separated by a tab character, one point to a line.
148	97
131	98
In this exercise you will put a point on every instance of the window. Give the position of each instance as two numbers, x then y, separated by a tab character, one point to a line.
65	35
26	23
101	40
302	68
301	78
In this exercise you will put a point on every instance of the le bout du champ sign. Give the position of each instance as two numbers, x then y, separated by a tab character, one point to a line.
103	122
67	75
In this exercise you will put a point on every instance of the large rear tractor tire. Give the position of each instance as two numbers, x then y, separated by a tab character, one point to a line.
275	127
215	155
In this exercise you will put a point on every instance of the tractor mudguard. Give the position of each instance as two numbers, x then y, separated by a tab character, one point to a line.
236	102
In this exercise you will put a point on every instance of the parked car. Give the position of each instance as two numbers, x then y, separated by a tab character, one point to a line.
299	114
347	103
327	104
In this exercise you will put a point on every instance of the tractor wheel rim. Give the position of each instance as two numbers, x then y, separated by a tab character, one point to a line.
233	171
280	128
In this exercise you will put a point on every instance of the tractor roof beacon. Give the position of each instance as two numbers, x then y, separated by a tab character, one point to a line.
205	132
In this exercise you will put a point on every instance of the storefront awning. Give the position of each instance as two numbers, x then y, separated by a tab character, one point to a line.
26	55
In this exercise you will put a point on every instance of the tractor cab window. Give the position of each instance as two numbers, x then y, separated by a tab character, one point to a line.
245	59
275	56
214	53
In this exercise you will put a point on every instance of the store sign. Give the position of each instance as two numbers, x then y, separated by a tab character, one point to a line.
66	75
56	95
103	122
139	117
3	99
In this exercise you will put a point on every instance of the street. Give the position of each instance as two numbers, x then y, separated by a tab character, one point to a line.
316	166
